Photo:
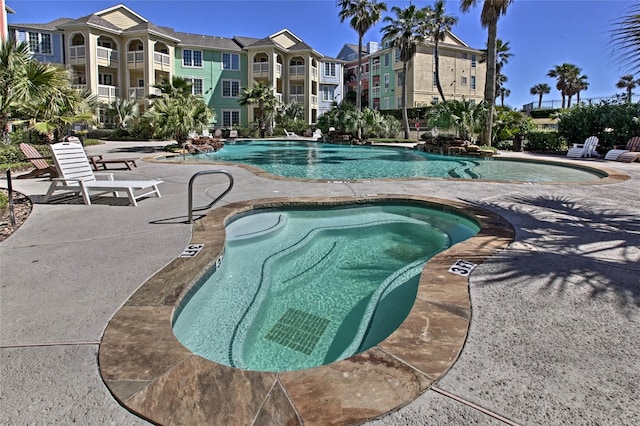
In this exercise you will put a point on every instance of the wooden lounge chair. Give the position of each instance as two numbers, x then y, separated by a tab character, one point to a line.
97	160
630	153
586	149
78	177
38	161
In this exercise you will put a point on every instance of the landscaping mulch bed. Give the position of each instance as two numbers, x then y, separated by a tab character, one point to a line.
21	208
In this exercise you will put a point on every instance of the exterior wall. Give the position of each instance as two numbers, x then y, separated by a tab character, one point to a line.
330	84
57	50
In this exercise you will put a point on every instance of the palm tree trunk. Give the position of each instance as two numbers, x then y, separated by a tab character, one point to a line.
437	61
540	101
359	83
490	84
405	117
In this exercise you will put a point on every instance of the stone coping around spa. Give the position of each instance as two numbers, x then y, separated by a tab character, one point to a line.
151	374
608	176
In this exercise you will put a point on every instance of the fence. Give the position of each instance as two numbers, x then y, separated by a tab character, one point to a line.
553	104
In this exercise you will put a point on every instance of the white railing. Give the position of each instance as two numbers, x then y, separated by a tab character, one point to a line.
261	67
161	58
314	100
79	86
279	97
375	91
278	70
136	93
297	98
106	54
297	71
375	69
314	73
77	52
110	92
135	57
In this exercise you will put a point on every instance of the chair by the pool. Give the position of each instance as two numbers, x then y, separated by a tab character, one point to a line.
76	175
38	161
631	151
291	135
584	150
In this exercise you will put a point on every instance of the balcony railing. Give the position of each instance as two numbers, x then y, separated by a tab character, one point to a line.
375	69
279	97
297	98
297	71
162	59
136	93
278	70
375	91
109	92
261	67
136	57
314	100
106	54
77	52
314	73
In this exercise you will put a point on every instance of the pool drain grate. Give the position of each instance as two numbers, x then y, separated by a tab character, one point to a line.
298	330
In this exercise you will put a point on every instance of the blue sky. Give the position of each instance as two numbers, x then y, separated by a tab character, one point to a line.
541	33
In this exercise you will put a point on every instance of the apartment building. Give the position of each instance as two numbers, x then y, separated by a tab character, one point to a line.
461	74
118	54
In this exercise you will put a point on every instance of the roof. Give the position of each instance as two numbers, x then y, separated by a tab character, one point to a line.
50	26
200	40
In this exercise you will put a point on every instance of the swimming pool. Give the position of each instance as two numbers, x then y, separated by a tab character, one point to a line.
314	160
299	288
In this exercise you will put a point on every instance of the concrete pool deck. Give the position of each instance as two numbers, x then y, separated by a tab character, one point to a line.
555	317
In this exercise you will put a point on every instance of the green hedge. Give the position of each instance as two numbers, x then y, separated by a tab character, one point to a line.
538	141
543	112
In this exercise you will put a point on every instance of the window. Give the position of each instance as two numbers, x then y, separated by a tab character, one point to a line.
39	43
327	94
473	82
230	88
230	117
105	44
330	70
397	58
386	59
230	61
463	81
192	58
434	78
196	85
105	79
399	102
434	100
400	78
386	103
297	89
465	56
386	81
473	61
141	82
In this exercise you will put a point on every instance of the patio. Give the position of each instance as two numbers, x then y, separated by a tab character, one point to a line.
555	316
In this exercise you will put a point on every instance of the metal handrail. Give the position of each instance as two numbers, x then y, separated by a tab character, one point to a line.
193	178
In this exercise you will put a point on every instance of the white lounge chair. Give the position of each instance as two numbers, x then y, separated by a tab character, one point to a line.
317	134
76	175
291	135
586	149
631	151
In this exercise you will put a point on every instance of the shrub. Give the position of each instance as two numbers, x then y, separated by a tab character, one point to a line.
543	113
99	133
538	141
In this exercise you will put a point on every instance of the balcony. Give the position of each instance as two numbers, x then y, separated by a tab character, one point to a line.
314	73
297	98
297	72
107	93
279	97
314	100
261	69
77	55
278	70
107	57
136	93
161	61
375	69
135	60
375	91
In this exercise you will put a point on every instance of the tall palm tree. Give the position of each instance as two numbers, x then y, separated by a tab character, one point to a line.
565	75
579	84
124	111
491	12
404	33
624	37
503	55
540	89
501	79
504	93
363	15
439	25
262	96
176	116
178	86
628	83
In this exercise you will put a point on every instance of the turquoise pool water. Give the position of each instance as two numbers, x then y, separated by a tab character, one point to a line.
313	160
299	288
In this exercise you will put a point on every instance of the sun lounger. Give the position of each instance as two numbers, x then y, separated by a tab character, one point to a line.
584	150
630	153
42	167
77	177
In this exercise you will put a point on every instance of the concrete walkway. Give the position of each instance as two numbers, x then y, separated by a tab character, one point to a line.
556	317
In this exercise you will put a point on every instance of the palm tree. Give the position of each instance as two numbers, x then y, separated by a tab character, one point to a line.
504	93
628	83
262	96
503	55
439	25
579	84
178	115
364	14
124	111
565	75
178	86
540	89
404	33
625	39
491	12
